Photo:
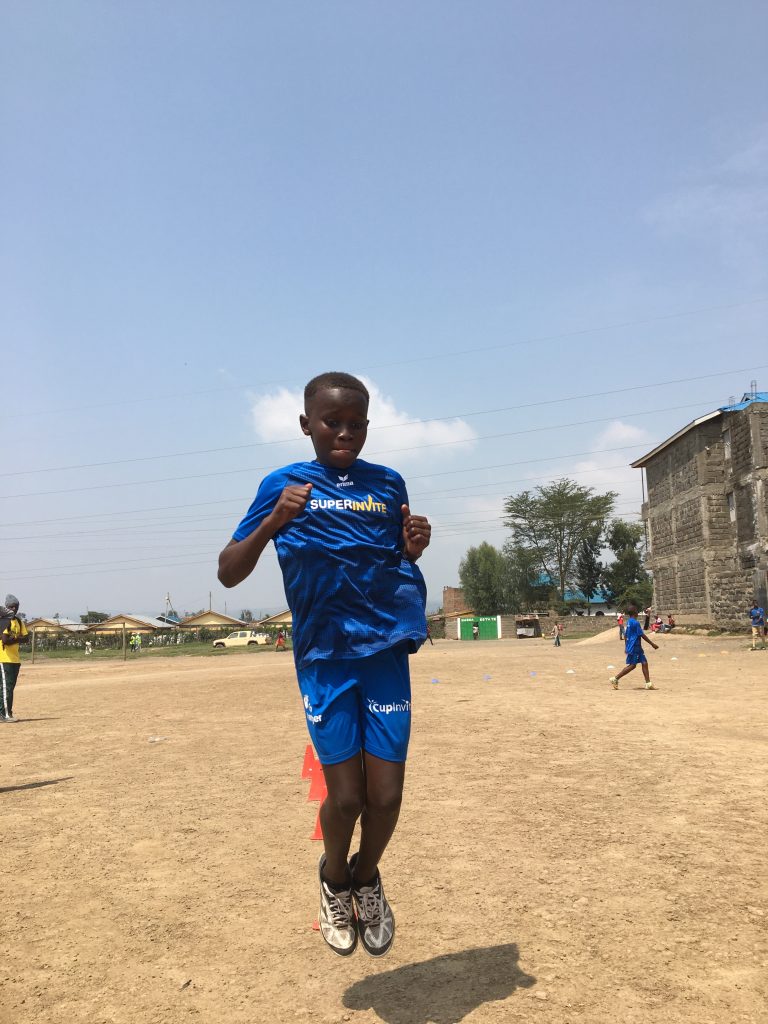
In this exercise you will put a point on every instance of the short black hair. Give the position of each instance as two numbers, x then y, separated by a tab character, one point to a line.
334	379
631	609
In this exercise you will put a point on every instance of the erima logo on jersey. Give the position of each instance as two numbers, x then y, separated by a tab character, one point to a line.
344	481
349	505
308	708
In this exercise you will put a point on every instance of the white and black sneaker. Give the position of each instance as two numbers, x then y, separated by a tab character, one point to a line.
375	920
337	917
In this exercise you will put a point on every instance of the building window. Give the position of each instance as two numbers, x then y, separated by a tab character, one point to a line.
727	443
731	506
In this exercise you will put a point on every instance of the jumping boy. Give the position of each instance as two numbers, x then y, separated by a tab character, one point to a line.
634	637
347	543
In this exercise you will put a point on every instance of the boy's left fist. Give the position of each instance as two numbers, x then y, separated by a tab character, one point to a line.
416	533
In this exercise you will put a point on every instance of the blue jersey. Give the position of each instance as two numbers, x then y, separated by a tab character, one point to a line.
350	590
757	615
632	634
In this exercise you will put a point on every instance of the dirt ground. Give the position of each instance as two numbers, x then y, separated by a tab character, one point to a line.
566	853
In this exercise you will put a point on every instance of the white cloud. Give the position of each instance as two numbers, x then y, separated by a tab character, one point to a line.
409	440
610	470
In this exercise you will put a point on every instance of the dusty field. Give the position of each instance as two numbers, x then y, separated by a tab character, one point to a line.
565	853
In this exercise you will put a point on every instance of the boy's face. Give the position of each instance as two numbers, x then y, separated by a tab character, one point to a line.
337	421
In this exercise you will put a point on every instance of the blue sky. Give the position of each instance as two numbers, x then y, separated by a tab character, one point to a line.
477	207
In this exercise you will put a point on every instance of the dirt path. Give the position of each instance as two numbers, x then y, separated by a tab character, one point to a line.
566	854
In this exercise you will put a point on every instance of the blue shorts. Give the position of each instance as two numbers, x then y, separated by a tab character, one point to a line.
354	704
636	657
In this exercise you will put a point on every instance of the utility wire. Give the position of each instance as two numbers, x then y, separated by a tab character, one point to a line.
387	451
644	321
393	426
239	502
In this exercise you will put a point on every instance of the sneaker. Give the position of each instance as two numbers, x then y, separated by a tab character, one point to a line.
614	682
375	919
337	917
650	686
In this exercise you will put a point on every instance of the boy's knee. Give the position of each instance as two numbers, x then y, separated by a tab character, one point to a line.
348	803
384	800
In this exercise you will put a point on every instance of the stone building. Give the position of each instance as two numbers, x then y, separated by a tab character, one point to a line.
706	513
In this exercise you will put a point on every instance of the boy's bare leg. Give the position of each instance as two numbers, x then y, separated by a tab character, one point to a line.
340	810
383	797
625	671
646	672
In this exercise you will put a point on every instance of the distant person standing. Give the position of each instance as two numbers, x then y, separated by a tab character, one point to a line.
620	624
280	641
757	618
475	631
556	634
648	612
12	633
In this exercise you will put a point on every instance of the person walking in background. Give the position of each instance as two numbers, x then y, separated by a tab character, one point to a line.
280	641
620	624
556	634
475	631
648	612
634	650
757	618
13	631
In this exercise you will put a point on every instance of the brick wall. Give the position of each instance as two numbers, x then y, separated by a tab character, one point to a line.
453	600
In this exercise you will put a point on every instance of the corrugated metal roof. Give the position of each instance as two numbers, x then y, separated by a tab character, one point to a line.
749	399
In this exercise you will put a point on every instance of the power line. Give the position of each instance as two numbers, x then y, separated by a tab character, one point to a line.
388	451
239	502
536	340
392	426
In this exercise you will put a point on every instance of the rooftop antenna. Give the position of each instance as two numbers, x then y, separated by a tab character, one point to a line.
753	388
732	400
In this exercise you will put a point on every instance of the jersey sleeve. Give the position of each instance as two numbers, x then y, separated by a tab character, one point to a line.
269	491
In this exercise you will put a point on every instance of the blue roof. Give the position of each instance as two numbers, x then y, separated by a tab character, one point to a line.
747	399
545	580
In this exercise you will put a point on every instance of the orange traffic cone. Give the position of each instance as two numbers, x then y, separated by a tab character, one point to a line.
309	762
317	787
318	833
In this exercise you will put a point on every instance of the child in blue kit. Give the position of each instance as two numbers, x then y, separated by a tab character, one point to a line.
633	638
346	542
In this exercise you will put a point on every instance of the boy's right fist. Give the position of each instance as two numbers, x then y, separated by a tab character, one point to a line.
291	502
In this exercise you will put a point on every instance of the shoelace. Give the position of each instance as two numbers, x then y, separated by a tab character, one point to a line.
339	907
371	905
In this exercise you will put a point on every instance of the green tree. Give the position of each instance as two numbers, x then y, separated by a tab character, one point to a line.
482	572
523	588
625	580
91	617
552	523
588	569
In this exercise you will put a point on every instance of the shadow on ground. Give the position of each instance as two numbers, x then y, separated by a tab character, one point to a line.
34	785
443	990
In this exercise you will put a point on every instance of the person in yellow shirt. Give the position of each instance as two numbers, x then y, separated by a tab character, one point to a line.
12	633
